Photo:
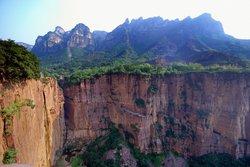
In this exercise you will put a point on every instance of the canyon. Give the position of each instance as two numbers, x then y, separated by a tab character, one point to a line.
192	114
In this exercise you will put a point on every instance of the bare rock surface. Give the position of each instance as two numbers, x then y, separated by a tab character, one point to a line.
37	133
193	114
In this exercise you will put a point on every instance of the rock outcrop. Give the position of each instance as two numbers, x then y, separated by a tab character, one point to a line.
192	114
58	41
79	37
27	46
37	132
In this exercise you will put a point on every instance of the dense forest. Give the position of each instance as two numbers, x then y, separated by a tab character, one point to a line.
16	63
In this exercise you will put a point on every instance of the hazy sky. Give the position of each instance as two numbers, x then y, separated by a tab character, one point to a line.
24	20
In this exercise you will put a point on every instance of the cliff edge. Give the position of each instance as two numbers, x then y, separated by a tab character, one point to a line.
192	114
32	122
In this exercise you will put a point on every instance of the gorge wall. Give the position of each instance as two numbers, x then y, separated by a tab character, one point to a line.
192	114
36	131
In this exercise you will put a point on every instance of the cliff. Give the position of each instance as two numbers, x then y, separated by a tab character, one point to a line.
36	126
192	114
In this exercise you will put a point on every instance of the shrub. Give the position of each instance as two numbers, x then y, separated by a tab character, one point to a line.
30	103
171	105
140	103
8	112
15	107
76	161
146	70
10	156
170	133
146	160
135	127
218	160
158	127
152	89
169	120
202	114
96	149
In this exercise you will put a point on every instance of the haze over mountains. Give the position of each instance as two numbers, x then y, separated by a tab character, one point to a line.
201	39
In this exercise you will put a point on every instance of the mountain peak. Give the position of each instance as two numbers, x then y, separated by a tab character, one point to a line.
205	15
126	21
81	26
59	30
208	24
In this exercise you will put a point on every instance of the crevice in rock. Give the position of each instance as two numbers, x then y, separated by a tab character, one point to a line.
47	131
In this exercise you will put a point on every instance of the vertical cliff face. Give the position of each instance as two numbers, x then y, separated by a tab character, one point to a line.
36	131
192	114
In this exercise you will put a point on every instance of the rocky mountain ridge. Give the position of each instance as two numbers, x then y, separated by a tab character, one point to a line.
27	46
52	42
173	40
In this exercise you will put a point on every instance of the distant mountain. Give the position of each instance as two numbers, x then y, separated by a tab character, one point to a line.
53	42
27	46
99	37
188	40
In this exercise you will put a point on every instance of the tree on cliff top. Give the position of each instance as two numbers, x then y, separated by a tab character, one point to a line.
16	63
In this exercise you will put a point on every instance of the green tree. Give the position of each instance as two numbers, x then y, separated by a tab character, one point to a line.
16	63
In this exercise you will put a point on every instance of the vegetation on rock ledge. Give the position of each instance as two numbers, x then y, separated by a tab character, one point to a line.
9	156
15	107
148	70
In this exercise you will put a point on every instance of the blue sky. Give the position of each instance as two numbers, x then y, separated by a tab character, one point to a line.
24	20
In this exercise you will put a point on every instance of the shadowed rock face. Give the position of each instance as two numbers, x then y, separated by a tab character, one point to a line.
36	134
193	114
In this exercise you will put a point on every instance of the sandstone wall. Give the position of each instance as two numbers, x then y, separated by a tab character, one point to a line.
192	114
37	134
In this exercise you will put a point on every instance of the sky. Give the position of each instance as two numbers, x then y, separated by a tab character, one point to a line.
24	20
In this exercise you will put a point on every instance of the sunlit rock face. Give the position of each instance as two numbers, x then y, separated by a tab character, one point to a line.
193	114
36	133
57	41
79	37
50	43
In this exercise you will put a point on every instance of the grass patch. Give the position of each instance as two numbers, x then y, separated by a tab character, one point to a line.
10	156
76	161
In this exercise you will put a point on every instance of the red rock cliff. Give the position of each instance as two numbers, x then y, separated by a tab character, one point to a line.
36	133
192	114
